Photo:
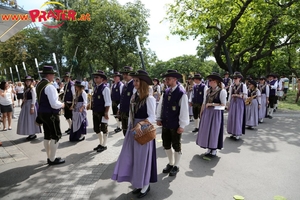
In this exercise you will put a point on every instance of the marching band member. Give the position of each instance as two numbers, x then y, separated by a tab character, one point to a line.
211	128
79	120
264	90
127	92
48	114
69	95
137	163
189	89
26	123
236	107
272	96
100	107
173	116
156	90
116	91
253	104
196	99
227	82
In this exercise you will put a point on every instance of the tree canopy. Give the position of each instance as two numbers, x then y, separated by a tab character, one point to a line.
251	32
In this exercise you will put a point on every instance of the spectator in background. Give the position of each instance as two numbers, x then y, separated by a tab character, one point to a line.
285	83
298	92
20	92
6	101
56	84
85	83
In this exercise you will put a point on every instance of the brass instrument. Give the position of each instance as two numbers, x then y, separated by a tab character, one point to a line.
89	105
248	101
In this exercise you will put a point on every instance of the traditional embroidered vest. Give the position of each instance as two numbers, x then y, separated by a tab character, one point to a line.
126	96
98	98
272	91
115	92
44	104
69	95
171	109
198	93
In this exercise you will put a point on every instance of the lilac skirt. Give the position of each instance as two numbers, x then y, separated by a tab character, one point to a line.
136	163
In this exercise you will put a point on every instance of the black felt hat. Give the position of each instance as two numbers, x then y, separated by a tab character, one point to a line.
143	75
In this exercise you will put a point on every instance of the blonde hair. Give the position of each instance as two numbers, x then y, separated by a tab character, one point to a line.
143	90
19	84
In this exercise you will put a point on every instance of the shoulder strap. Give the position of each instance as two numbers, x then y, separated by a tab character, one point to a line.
41	86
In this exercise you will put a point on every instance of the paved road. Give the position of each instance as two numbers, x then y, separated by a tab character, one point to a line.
263	164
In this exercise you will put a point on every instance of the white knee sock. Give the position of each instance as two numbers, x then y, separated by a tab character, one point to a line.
170	155
119	124
177	156
100	136
105	136
69	122
53	148
47	147
144	189
197	123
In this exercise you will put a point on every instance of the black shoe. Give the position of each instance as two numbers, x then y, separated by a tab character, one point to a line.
117	130
195	130
31	137
141	195
98	147
57	161
250	128
68	131
167	169
270	117
48	160
174	171
136	191
102	148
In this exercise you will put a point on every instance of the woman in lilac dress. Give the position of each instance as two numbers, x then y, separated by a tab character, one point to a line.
236	107
210	135
26	123
79	121
253	107
137	163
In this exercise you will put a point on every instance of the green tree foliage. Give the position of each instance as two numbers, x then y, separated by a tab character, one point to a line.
108	39
251	30
25	46
186	65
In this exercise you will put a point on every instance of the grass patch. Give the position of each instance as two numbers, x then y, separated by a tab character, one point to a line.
289	103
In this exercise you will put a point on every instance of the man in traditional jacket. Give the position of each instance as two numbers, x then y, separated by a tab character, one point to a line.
116	91
48	114
69	95
173	116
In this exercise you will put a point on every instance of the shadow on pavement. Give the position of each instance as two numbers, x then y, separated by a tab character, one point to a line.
200	167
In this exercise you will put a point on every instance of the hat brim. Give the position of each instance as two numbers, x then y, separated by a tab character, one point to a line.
28	79
173	74
79	85
41	72
238	76
145	78
101	75
273	75
215	77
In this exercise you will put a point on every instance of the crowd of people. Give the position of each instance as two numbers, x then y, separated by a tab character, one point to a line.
137	100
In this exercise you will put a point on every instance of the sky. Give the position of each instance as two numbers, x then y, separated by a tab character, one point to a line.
164	48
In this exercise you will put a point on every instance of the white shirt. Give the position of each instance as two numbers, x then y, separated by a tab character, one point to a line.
158	89
55	84
7	99
275	85
184	119
52	95
20	89
84	96
86	85
279	84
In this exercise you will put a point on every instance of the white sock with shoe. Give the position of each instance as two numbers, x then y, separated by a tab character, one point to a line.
170	155
53	148
47	147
